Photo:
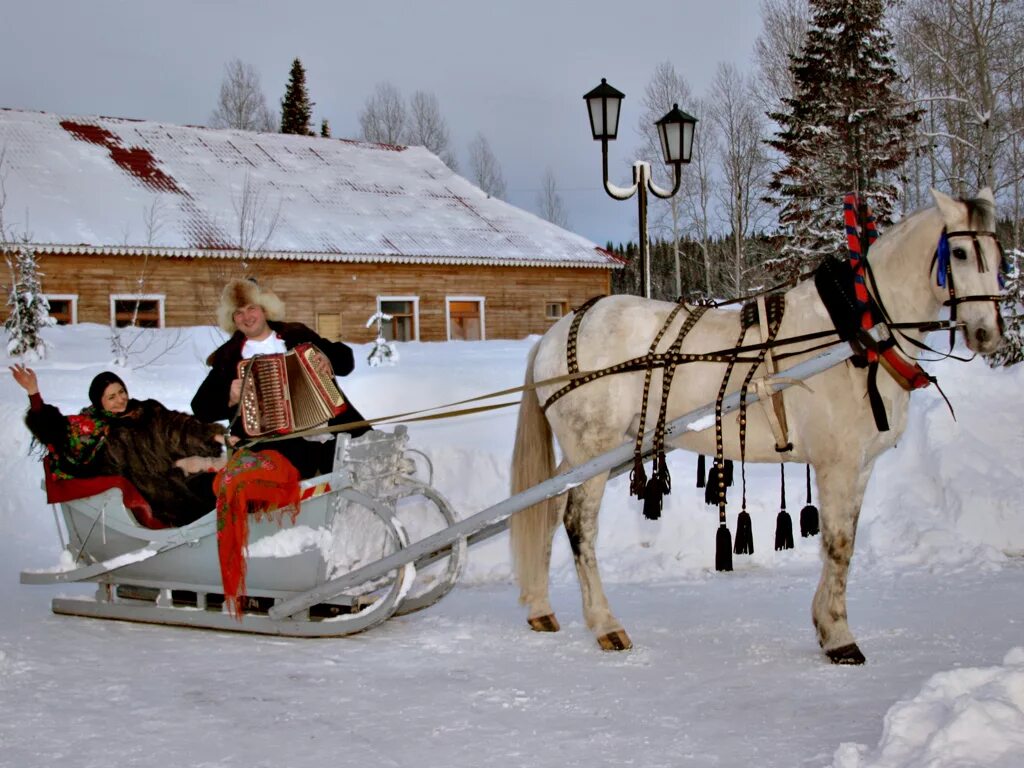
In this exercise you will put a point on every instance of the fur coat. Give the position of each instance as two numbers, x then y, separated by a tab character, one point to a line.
142	445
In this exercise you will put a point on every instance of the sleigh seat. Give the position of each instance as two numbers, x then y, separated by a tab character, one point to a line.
59	491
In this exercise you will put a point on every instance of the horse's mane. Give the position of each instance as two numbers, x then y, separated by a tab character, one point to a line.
980	212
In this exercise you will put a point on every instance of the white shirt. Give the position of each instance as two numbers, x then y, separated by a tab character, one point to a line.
272	345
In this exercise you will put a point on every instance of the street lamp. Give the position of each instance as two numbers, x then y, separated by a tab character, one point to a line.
676	133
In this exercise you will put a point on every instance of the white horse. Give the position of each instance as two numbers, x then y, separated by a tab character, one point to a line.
831	427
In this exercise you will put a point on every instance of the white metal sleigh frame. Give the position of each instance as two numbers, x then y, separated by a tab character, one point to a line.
349	518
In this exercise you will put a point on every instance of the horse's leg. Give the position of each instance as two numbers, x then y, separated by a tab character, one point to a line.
581	513
541	616
841	490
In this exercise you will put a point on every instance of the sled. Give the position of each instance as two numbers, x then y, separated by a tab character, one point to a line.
348	563
360	512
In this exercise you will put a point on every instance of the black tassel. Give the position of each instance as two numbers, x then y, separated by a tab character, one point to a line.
783	522
783	531
809	514
728	473
637	478
711	489
723	549
663	474
701	471
744	535
809	521
653	494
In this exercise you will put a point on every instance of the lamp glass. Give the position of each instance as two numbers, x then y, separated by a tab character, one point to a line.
604	117
671	142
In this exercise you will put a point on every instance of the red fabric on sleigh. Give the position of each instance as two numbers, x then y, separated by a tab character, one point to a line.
58	490
261	484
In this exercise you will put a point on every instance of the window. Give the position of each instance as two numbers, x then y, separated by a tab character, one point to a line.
328	325
63	307
555	309
465	318
404	323
150	310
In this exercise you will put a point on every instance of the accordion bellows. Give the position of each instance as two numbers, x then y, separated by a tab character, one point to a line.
288	392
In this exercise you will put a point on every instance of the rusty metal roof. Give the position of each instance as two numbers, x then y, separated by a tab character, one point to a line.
110	185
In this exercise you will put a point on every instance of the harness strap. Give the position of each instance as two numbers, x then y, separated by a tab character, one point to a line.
775	410
774	312
659	472
879	347
574	329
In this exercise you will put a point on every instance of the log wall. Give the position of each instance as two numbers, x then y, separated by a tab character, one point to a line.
344	296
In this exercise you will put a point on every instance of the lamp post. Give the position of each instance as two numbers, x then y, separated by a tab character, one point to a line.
675	130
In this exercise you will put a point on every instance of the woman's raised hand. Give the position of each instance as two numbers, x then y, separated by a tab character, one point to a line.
25	377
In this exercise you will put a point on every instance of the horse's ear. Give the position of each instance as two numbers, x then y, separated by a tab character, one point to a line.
950	209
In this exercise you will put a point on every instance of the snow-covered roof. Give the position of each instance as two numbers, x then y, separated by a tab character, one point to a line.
110	185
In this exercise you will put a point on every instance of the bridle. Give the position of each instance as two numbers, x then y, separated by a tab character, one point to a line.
941	264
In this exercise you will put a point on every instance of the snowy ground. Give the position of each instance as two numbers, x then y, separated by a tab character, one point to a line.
726	671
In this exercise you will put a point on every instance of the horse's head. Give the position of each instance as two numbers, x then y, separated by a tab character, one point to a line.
966	268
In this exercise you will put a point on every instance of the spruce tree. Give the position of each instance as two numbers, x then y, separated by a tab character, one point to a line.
296	108
845	129
29	309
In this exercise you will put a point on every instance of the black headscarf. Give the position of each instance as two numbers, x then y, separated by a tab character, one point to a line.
99	386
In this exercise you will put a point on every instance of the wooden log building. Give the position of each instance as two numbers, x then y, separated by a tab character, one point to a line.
135	218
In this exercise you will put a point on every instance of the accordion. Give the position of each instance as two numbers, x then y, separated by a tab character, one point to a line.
288	392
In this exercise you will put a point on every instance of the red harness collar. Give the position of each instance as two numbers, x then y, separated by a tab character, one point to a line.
907	373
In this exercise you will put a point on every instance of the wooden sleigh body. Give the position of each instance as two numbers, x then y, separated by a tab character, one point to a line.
361	512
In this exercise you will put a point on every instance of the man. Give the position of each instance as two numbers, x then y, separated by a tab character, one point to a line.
255	317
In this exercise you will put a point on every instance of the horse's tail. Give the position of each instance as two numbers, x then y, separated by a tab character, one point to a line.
533	461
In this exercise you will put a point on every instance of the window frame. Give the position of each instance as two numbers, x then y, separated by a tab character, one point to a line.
563	309
70	297
480	300
415	311
159	298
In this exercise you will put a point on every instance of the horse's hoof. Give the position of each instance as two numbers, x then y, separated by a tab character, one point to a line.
847	654
615	641
546	623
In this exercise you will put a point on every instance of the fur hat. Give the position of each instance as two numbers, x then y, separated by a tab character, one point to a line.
99	386
240	293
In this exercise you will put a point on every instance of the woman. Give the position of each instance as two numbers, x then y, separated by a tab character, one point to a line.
143	442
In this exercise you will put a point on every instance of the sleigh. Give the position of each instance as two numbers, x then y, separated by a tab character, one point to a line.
361	512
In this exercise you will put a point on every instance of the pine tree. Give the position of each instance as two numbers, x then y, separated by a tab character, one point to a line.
1011	350
845	129
296	108
30	311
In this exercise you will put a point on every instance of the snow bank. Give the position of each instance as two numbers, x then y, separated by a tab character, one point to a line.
961	718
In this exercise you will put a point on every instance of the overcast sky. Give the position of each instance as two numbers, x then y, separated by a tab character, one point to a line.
515	71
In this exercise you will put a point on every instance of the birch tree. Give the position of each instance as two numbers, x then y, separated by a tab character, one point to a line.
242	104
549	201
743	165
485	171
428	128
966	67
384	119
784	27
